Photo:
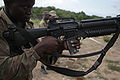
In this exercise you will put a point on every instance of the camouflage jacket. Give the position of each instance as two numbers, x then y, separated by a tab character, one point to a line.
43	23
18	67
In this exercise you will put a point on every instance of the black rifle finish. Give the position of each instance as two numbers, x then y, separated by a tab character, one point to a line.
71	30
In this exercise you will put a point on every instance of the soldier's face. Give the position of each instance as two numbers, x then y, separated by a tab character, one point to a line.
47	17
20	10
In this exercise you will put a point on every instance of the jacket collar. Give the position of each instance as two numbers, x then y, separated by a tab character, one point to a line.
5	18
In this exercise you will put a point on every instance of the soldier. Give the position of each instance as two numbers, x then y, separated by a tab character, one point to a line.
53	14
45	19
46	16
15	66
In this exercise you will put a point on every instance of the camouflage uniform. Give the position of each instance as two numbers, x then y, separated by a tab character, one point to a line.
43	23
18	67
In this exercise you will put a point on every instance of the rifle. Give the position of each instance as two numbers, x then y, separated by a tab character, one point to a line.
70	30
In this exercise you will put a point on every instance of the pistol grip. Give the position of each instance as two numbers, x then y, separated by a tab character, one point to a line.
72	49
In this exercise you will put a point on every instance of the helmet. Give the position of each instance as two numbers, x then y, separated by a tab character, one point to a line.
53	13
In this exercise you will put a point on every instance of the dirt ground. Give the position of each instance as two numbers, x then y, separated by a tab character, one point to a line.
108	70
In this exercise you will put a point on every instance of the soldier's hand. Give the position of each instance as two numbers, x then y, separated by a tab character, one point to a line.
48	45
75	43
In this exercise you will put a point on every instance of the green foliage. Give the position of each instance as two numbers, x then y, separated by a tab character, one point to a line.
37	13
106	38
1	7
113	62
36	21
113	67
100	77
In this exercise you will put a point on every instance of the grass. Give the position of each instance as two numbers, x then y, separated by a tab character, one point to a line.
74	66
113	67
101	77
98	76
106	38
111	61
36	22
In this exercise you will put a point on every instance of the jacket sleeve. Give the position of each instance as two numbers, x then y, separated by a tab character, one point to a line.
19	66
42	24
